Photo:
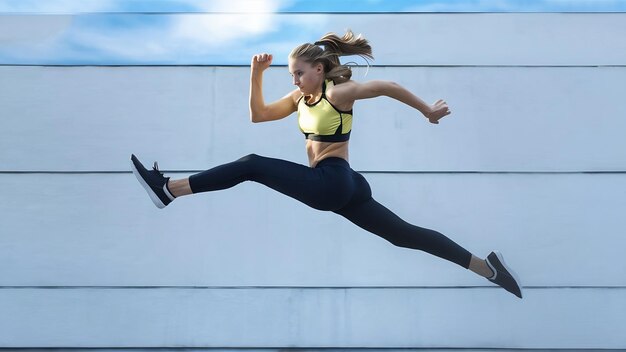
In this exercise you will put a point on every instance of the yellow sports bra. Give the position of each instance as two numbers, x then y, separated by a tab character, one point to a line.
323	122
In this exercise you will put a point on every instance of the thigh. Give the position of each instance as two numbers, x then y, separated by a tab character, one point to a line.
373	217
262	166
324	188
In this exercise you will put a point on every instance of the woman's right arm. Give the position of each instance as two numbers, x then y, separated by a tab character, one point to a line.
259	112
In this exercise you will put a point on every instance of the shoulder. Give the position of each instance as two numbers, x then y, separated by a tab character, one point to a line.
342	95
342	90
295	96
341	87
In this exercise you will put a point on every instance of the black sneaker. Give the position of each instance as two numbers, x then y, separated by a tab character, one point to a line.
153	181
503	276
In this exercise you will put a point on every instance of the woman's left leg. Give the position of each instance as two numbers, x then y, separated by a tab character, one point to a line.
372	216
375	218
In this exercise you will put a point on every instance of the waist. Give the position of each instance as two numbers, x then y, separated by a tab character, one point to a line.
333	138
333	161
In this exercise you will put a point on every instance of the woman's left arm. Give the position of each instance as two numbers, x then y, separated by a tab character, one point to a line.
351	91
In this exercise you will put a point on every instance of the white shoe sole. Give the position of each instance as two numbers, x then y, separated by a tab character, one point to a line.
155	199
519	283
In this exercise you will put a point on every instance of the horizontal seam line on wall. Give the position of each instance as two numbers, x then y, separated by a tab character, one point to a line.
290	348
284	65
65	172
306	13
531	287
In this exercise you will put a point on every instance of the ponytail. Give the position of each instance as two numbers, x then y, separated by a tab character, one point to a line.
334	47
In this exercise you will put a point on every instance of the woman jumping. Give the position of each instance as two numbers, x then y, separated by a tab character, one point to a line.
323	99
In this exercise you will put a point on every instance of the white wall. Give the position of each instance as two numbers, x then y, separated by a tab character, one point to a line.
87	261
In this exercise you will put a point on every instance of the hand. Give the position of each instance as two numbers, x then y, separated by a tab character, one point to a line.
260	62
437	111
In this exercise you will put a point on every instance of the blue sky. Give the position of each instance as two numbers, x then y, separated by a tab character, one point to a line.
184	32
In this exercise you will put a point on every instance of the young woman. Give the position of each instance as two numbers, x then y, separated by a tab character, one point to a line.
323	99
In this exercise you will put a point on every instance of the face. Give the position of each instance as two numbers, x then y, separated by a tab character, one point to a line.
307	77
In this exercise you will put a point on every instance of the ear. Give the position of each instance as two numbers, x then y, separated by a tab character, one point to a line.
319	67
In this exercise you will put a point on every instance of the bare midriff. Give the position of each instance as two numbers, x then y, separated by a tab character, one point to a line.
318	151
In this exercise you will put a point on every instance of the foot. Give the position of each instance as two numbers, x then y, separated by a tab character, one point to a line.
153	181
503	276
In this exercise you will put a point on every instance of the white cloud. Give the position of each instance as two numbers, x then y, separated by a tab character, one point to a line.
137	45
215	30
160	38
225	32
192	35
238	6
203	36
249	18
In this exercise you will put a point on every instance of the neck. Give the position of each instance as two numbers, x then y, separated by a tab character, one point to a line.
317	94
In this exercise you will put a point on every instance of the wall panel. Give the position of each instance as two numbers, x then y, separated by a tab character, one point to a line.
287	317
504	119
555	230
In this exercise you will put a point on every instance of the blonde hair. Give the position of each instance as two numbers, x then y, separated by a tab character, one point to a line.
328	56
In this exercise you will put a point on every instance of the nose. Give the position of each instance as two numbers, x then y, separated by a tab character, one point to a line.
296	82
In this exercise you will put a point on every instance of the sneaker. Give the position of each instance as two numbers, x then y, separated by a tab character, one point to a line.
154	182
503	276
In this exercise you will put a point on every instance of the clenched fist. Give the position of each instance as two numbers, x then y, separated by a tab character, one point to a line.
260	62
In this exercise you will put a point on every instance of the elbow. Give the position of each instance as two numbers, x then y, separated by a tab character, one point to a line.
255	117
390	89
392	86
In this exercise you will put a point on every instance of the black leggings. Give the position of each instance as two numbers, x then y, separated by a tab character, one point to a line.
331	186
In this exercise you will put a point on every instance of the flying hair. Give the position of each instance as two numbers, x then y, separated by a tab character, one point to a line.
334	47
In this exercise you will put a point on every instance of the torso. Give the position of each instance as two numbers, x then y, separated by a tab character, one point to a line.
318	151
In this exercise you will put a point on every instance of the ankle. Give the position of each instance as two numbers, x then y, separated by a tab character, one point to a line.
490	273
480	267
179	188
168	185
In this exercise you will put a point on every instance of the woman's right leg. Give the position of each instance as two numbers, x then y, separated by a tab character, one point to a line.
319	188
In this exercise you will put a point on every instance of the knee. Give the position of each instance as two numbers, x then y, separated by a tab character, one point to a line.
249	165
405	235
249	158
415	237
250	161
398	241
